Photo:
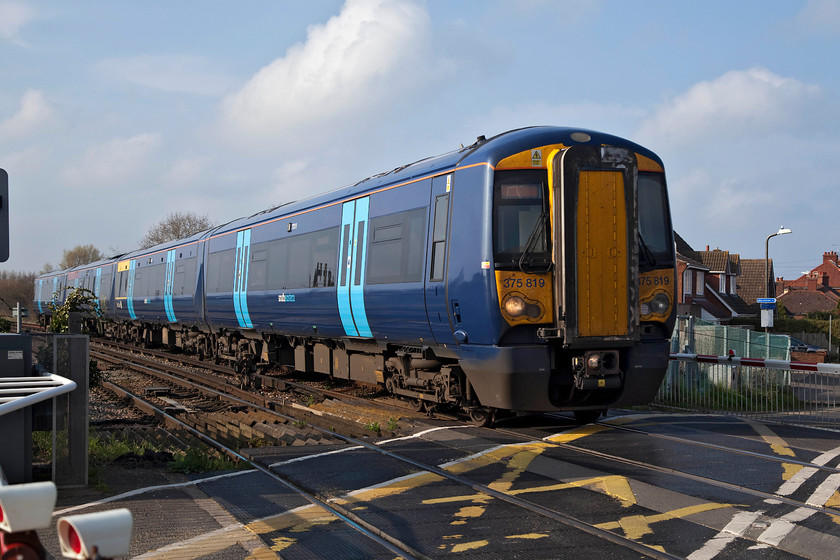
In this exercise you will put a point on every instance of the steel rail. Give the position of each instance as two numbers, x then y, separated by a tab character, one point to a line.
717	447
380	537
702	479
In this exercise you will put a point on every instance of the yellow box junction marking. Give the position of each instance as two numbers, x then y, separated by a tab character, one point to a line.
637	526
516	456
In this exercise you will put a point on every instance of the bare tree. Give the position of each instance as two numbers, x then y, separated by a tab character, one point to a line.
79	255
177	225
16	287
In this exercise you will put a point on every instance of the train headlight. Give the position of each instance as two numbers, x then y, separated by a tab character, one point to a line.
659	304
515	306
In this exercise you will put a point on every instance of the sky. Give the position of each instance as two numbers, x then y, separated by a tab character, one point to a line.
114	114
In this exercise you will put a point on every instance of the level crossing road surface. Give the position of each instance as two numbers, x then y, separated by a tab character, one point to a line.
678	485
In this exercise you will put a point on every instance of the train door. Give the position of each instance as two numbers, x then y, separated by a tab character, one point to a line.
595	250
168	284
129	299
352	254
240	278
97	288
437	309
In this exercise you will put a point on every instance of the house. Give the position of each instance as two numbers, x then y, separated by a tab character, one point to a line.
707	285
814	291
753	282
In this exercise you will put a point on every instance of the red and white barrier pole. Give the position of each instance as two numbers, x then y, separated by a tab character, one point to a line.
756	362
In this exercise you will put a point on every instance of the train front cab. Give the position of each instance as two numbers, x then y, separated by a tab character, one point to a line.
584	260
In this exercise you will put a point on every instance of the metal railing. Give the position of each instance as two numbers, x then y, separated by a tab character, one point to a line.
19	392
736	371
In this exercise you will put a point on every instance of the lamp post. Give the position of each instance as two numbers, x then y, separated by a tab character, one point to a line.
782	230
769	320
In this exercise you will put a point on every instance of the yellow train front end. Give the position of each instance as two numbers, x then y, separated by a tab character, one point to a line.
585	261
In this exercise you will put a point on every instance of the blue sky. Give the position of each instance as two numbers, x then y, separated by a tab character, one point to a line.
114	114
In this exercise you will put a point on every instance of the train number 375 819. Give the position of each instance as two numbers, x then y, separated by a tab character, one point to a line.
524	282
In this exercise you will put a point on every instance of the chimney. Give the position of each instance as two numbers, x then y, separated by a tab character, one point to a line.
811	284
707	247
830	256
825	279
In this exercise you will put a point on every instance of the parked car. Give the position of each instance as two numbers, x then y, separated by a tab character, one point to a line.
797	345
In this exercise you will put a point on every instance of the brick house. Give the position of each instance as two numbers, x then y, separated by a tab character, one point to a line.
816	290
707	285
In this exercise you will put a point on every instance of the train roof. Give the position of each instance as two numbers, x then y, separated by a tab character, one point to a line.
484	150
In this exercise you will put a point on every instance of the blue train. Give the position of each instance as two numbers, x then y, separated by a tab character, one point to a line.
531	271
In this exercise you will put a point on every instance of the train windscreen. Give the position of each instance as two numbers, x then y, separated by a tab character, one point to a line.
520	219
654	221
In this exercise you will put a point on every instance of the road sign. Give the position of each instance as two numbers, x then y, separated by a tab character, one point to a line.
765	300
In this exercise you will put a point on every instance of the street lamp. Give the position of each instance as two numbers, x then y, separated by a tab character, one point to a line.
782	230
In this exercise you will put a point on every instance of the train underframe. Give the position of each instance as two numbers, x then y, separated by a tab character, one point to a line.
527	378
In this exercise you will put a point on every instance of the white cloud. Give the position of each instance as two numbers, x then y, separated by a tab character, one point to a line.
736	104
820	16
186	171
170	73
29	160
13	16
34	113
113	163
368	55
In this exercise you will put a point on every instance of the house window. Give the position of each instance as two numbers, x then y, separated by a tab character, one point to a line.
687	282
722	283
700	283
732	285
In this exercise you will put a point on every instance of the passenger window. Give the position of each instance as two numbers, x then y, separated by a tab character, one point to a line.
439	237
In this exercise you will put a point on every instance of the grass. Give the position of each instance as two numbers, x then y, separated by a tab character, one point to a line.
201	458
104	450
710	396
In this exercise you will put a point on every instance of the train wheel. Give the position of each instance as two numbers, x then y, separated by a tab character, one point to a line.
418	404
483	417
587	416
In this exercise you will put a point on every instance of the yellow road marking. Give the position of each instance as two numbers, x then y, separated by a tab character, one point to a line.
777	444
636	526
469	546
529	536
615	486
789	470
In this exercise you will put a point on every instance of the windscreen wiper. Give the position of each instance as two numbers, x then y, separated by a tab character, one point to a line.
645	251
526	258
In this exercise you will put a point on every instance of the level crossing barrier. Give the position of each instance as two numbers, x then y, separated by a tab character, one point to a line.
764	389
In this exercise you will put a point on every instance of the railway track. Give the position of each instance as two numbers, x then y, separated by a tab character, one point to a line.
251	405
775	509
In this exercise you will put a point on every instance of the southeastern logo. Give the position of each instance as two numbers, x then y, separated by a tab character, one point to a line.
286	298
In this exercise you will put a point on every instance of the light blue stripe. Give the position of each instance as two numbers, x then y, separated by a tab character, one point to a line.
236	275
40	295
357	292
167	285
243	288
132	266
97	285
346	268
240	279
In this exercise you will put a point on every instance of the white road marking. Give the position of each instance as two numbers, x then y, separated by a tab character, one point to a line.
735	528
